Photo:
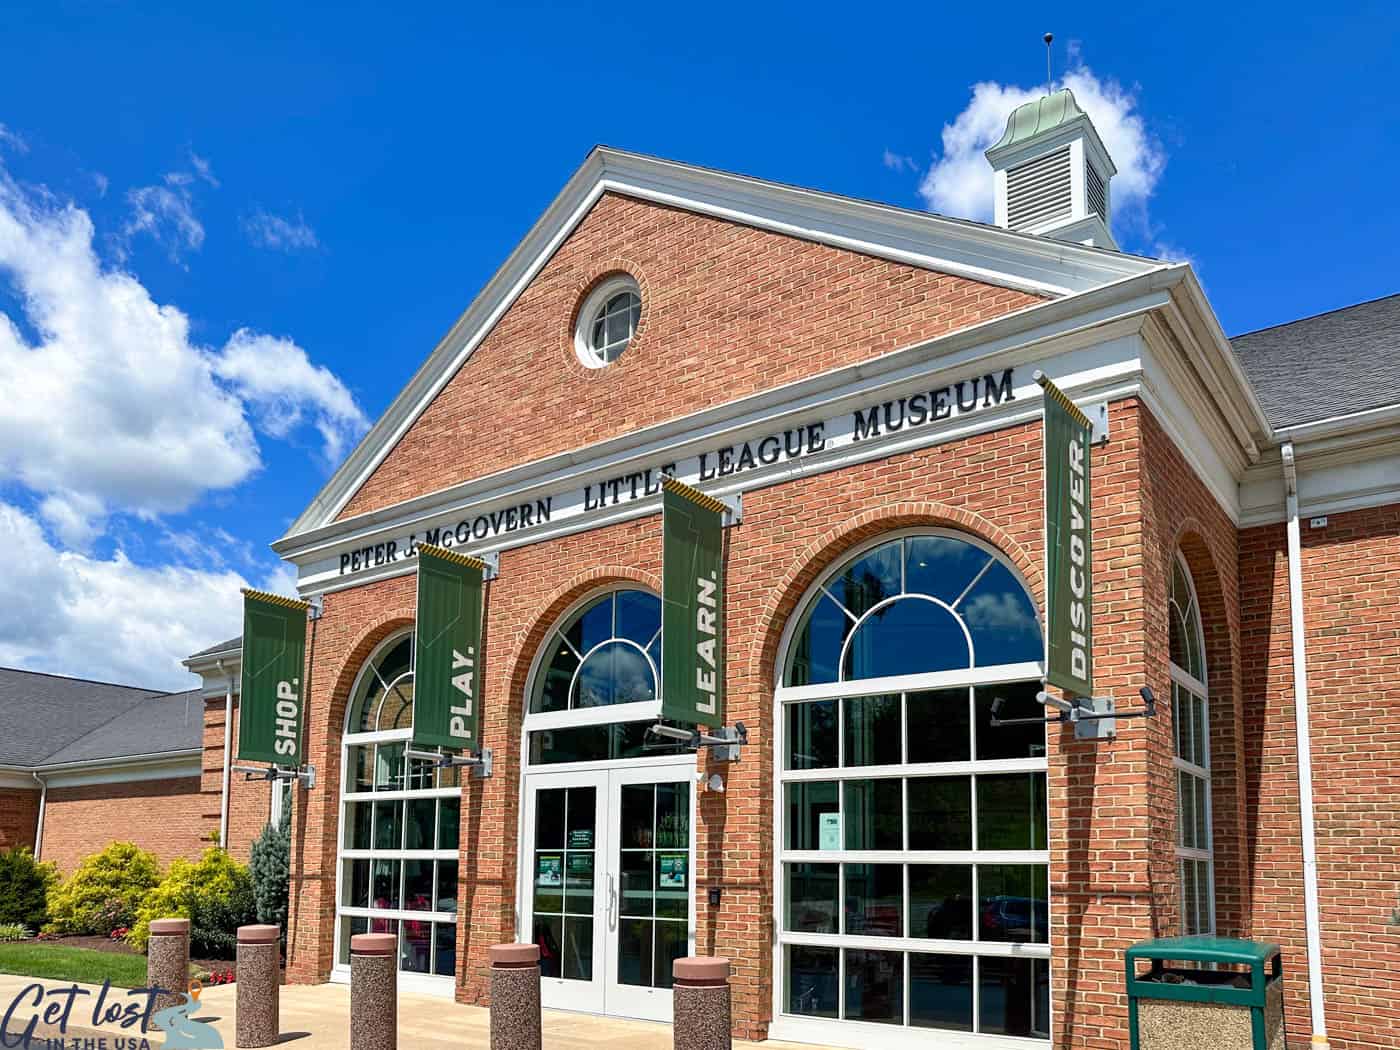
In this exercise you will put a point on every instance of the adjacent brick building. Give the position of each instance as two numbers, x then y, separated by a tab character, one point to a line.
884	864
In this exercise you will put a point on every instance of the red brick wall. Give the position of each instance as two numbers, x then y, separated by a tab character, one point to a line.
19	817
1106	853
162	816
726	311
250	801
1351	588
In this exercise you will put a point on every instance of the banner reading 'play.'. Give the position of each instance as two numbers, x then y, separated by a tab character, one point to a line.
274	664
447	664
692	605
1068	543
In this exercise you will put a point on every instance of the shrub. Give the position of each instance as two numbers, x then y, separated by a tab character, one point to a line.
24	888
215	894
14	931
105	891
270	865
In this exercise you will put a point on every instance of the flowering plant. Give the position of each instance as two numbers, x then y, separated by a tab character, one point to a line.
221	977
118	932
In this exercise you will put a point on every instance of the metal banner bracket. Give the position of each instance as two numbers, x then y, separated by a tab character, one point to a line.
493	564
306	774
724	743
1093	717
1098	415
316	606
735	513
479	764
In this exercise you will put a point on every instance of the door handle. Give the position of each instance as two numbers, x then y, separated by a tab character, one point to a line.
613	904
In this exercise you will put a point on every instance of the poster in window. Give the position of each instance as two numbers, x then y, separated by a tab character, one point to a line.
581	838
549	869
829	834
673	871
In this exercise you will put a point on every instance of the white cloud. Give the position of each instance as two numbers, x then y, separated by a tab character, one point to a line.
266	230
960	181
899	162
202	169
110	406
166	213
276	378
13	140
111	619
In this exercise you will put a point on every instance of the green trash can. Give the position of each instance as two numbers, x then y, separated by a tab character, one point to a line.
1205	993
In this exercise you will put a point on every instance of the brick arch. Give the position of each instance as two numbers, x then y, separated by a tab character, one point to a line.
609	267
529	640
350	668
1202	560
826	549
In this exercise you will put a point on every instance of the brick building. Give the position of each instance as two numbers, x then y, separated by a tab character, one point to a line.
883	865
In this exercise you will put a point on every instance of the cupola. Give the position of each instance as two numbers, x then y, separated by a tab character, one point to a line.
1052	173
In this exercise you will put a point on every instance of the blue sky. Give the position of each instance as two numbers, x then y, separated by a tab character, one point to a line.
230	233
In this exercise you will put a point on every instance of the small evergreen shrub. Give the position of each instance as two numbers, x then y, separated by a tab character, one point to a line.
105	891
215	894
270	865
24	888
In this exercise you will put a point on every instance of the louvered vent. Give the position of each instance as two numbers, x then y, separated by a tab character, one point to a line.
1093	185
1038	190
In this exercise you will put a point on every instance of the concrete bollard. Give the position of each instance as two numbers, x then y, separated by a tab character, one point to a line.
168	961
701	997
259	1021
515	997
374	991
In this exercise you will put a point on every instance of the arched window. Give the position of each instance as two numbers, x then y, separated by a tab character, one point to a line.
1191	717
596	688
399	827
913	874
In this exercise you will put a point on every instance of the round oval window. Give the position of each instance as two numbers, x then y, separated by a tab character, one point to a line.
608	321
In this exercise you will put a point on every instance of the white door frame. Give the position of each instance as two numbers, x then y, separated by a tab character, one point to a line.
602	995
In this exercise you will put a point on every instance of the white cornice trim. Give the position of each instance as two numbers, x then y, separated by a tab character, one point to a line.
17	777
167	765
1042	265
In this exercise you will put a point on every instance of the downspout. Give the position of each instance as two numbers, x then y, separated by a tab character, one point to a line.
43	802
1305	783
228	751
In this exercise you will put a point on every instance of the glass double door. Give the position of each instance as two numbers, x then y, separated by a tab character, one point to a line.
610	885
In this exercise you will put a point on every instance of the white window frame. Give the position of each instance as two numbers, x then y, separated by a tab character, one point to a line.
1183	679
432	984
588	355
865	1034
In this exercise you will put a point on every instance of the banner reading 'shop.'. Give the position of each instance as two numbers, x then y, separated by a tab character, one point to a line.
447	664
692	605
274	664
1068	543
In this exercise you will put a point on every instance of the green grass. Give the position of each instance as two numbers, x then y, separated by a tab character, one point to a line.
57	963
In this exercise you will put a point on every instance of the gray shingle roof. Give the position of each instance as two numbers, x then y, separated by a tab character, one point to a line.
49	718
1336	363
222	647
168	722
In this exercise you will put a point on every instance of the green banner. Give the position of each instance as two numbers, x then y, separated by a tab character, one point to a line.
447	663
692	606
274	664
1068	544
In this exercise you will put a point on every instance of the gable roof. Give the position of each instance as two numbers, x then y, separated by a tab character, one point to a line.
157	725
1350	358
43	713
969	249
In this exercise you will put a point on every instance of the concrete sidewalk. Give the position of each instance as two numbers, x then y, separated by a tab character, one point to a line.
317	1017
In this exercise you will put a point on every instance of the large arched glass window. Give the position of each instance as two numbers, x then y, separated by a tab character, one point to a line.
913	875
1191	717
398	827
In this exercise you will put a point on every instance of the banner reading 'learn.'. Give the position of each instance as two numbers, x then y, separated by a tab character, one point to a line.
692	606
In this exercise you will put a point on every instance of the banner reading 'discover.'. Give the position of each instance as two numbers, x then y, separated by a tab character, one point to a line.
1068	543
274	664
692	605
447	664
